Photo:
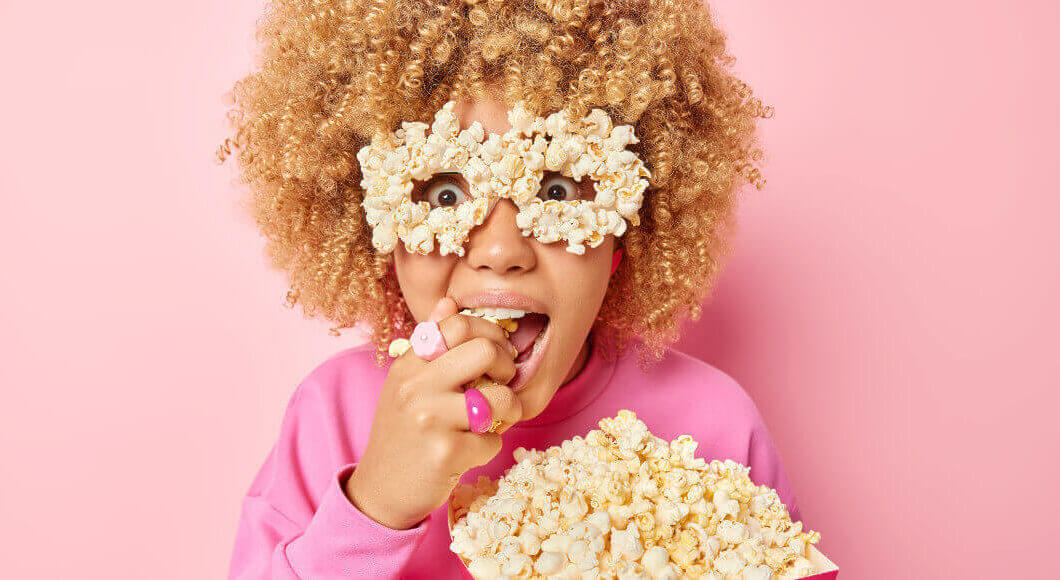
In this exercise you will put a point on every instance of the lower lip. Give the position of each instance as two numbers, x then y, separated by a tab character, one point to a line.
526	370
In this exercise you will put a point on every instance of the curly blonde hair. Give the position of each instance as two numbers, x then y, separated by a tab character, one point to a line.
331	74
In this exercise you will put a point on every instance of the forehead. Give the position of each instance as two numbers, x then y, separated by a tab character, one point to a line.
490	112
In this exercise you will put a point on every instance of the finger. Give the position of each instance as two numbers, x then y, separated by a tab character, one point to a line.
458	329
471	360
505	406
445	308
477	448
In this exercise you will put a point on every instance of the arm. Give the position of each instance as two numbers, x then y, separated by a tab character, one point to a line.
766	468
296	521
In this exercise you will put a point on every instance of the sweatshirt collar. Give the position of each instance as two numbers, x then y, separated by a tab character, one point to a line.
583	389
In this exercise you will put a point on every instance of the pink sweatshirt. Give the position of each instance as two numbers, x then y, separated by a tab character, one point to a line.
297	523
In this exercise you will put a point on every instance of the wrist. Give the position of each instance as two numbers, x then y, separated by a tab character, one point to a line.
359	493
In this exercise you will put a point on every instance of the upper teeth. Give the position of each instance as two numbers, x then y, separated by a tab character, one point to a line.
504	317
498	313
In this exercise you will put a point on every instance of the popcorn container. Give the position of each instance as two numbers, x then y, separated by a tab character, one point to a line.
815	555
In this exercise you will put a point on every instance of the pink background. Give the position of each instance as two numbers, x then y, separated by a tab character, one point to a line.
890	305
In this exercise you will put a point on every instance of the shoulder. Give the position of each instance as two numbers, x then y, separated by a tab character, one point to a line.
330	411
681	377
680	394
348	364
323	428
351	373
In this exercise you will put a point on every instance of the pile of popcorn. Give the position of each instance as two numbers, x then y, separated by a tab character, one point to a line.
623	503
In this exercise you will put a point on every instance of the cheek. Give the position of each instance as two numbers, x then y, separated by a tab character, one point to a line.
424	280
581	281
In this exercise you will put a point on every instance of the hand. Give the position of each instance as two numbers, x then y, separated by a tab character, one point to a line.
421	443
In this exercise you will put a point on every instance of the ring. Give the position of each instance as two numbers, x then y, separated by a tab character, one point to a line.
427	341
479	415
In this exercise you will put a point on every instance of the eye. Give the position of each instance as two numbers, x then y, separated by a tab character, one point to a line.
443	191
557	187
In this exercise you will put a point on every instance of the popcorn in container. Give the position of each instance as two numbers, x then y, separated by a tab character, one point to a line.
622	503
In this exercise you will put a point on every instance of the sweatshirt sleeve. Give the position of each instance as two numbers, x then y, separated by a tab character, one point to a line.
296	520
766	468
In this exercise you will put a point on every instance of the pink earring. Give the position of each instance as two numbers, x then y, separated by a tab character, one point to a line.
615	260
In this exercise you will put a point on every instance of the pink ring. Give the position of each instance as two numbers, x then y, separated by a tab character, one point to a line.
479	414
427	341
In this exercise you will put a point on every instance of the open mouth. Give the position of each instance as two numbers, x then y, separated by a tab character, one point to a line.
528	333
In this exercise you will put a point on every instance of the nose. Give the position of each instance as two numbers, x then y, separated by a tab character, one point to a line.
498	246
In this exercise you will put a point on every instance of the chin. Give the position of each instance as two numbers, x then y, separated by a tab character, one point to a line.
538	389
535	399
